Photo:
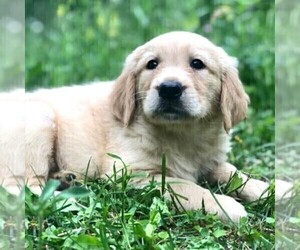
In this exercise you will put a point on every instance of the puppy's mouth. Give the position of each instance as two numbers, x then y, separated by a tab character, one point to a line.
171	111
170	105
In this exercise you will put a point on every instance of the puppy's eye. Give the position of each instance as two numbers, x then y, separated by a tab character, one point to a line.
197	64
152	64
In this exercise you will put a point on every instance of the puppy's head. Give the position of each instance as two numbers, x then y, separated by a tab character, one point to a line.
179	77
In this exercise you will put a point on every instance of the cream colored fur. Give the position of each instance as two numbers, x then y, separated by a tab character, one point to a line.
66	128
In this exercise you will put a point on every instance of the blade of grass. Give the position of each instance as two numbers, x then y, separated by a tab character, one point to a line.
48	190
163	174
86	171
223	210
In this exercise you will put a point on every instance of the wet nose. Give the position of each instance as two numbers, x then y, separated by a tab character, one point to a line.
170	90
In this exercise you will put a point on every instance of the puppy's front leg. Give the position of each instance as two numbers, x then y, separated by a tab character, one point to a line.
196	196
39	142
253	189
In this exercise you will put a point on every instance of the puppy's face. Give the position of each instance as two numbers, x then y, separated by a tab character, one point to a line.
179	77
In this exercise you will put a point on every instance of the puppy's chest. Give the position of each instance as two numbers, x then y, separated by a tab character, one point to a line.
187	157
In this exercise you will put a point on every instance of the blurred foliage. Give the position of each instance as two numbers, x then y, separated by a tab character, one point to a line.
77	41
287	89
288	119
287	73
12	44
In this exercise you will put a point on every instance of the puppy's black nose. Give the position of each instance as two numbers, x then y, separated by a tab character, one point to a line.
170	90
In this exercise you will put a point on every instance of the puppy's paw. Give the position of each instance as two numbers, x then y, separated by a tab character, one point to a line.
254	190
14	190
283	190
66	179
229	207
37	190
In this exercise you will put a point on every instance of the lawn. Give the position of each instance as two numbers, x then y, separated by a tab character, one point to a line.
114	214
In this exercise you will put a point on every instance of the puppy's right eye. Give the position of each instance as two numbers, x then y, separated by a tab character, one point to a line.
197	64
152	64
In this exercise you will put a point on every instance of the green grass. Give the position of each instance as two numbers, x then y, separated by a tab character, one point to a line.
114	214
11	220
288	222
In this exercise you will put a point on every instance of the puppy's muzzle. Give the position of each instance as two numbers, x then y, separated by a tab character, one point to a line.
170	106
170	90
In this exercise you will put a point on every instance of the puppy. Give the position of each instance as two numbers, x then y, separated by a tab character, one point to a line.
178	95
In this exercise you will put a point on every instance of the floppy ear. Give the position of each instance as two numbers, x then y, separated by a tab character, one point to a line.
234	100
123	102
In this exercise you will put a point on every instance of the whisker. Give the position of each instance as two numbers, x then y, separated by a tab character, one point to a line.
139	98
141	92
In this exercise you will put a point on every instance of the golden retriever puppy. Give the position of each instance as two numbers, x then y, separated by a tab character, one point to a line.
178	94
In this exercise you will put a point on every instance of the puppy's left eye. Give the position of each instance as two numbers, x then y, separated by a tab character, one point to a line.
197	64
152	64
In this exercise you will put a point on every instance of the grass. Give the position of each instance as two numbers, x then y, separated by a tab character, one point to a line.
114	214
11	220
288	213
288	222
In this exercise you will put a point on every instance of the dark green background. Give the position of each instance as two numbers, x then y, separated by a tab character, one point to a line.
80	41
